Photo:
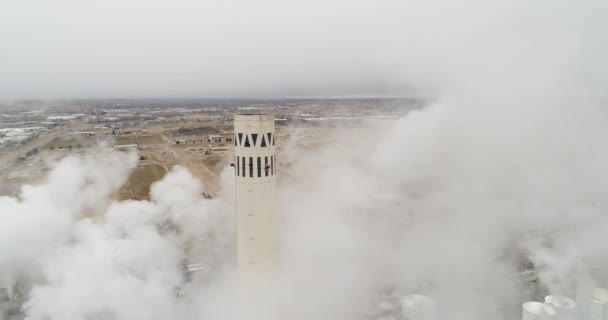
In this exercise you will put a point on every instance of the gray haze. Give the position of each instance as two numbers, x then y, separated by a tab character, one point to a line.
184	48
271	48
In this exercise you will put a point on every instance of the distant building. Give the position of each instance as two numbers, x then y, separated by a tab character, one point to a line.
216	138
64	117
16	137
126	147
34	129
82	133
158	120
24	129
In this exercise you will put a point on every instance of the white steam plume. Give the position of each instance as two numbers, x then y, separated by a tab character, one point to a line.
41	217
88	257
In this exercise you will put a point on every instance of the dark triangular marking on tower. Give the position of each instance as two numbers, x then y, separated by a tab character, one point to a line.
240	139
269	135
254	138
263	145
247	145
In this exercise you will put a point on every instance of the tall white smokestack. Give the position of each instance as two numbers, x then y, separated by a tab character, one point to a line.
255	168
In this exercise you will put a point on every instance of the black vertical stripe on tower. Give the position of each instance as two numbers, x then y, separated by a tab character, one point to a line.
235	140
274	169
240	138
247	145
254	139
269	135
251	167
271	165
238	171
243	172
273	137
263	145
259	167
265	165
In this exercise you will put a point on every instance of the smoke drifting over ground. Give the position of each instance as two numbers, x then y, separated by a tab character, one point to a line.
88	257
511	158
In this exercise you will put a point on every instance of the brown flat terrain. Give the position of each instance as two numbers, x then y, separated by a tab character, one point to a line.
139	139
138	185
159	151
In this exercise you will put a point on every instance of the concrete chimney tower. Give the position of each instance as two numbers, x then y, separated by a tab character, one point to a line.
255	169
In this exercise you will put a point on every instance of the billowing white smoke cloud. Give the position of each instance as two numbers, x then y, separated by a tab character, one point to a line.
86	256
509	161
41	218
449	204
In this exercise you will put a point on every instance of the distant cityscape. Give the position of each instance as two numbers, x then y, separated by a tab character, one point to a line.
166	132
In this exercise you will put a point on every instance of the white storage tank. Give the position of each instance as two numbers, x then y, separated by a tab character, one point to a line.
537	311
598	309
564	306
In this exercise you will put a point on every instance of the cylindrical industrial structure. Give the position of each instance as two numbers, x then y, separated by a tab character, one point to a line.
591	301
598	309
564	306
537	311
255	167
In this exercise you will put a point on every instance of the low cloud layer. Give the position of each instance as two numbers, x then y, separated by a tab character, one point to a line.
269	48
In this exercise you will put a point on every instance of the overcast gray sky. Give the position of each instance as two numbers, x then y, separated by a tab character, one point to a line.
272	48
